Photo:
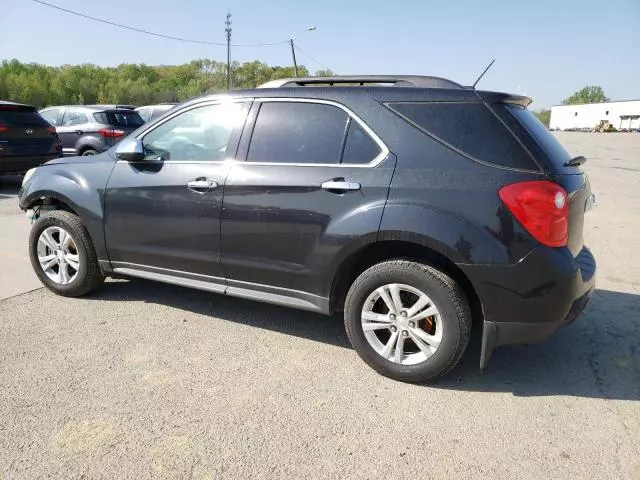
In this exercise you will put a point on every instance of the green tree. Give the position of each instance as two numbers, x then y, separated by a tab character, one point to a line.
589	94
543	115
136	84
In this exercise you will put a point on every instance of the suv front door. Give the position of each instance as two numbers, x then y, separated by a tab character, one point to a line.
162	214
314	181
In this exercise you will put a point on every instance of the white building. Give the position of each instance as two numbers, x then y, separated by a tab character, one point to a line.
623	115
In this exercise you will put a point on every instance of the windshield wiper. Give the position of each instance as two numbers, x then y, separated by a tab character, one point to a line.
575	162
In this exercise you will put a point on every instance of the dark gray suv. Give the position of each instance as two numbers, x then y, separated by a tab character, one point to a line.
408	212
91	129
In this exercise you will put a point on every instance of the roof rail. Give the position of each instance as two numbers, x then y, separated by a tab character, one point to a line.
345	80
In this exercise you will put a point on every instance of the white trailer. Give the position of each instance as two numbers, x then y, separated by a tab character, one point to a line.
623	115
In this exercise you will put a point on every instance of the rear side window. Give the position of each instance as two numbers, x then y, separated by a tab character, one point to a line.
359	147
18	117
470	128
119	118
297	132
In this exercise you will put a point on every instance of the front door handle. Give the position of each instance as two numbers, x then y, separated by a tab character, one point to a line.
340	186
202	185
79	132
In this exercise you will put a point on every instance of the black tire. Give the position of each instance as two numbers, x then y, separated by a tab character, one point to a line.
89	152
89	275
448	298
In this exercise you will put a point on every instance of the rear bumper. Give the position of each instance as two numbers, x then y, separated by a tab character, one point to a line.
22	164
527	302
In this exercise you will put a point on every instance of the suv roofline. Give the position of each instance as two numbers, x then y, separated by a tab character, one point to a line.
91	107
420	81
381	94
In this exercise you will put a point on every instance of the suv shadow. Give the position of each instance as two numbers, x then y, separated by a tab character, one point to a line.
596	357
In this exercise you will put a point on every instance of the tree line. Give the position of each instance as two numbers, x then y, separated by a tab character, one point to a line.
135	84
140	84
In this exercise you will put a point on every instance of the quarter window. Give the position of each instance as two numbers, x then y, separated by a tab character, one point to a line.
198	134
298	132
469	127
359	147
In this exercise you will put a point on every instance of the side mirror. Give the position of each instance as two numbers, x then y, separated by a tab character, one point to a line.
130	150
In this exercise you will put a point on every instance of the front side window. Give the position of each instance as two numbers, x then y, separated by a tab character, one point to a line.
73	117
52	116
199	134
298	133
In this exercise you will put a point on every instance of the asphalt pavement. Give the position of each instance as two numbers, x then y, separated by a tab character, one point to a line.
144	380
16	274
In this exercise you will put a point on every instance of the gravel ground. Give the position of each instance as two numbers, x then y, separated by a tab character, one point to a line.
144	380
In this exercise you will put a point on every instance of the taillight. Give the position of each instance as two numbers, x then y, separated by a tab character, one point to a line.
51	130
541	207
111	132
3	128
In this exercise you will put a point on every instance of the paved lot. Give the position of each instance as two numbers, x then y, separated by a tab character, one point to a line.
144	380
16	275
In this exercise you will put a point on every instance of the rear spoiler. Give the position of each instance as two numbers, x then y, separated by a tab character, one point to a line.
495	97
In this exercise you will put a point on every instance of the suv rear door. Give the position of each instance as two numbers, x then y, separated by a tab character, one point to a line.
314	179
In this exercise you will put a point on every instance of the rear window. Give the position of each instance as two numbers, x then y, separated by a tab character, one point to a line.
470	128
543	144
17	117
119	118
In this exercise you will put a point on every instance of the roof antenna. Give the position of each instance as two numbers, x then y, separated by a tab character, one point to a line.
482	74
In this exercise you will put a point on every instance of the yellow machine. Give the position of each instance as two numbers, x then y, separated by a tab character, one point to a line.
604	126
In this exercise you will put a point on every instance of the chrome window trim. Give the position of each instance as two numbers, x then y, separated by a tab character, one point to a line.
384	150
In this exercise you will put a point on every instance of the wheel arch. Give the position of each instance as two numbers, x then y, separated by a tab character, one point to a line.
59	190
376	252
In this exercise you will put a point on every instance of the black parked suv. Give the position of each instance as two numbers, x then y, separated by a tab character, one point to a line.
91	129
26	139
408	211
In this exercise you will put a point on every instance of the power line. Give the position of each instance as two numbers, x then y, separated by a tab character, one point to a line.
161	35
311	58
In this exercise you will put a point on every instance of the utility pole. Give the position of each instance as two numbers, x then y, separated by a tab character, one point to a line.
293	53
228	32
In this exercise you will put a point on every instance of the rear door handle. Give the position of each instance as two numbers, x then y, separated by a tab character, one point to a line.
202	185
340	186
79	132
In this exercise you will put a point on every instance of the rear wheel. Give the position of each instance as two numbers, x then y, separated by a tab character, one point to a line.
89	151
408	321
63	256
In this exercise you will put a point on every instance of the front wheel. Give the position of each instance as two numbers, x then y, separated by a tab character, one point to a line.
89	151
63	256
408	321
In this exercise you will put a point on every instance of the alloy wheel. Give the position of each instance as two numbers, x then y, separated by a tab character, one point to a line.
58	255
402	324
